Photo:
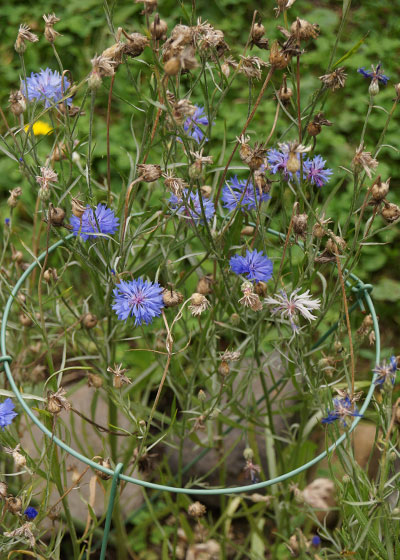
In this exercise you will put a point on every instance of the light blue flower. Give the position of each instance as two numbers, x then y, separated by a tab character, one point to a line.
255	265
191	125
47	85
105	220
138	298
189	206
232	195
7	413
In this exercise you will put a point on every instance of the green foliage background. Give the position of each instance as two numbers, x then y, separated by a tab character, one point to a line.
85	32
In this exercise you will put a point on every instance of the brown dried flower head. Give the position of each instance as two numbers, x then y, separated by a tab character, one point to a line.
56	215
13	504
204	285
319	229
114	53
24	34
14	196
335	244
149	172
119	378
198	304
106	463
94	380
174	184
315	126
89	320
19	459
364	161
285	93
77	206
250	298
56	402
293	148
17	103
257	31
49	32
334	80
25	531
379	189
148	6
171	298
304	30
390	212
101	66
50	275
251	66
158	28
196	510
135	45
283	5
300	225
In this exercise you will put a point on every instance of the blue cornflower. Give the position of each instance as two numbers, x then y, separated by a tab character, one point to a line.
30	512
375	75
7	221
386	373
189	206
255	265
316	541
191	125
47	86
314	172
138	298
342	407
7	413
232	195
103	216
278	163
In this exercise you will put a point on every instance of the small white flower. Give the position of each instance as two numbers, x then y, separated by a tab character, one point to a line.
290	306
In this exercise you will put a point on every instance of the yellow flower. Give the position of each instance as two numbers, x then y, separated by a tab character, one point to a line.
39	127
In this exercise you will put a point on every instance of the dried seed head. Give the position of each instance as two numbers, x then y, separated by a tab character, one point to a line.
224	369
14	505
364	161
119	378
149	172
56	402
19	459
94	380
300	224
277	58
285	93
172	66
176	185
248	230
135	45
17	103
250	299
198	304
171	298
14	196
114	53
3	490
335	244
319	229
49	32
25	320
56	215
283	5
24	34
315	127
206	191
303	30
103	66
148	6
106	463
251	66
204	285
391	212
78	207
197	510
89	320
257	32
335	79
49	275
380	189
261	289
226	70
159	28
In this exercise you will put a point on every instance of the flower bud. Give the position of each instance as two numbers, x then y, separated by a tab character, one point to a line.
300	224
336	244
201	395
77	206
261	289
248	230
293	163
19	459
234	319
204	285
44	193
14	196
278	59
248	454
94	80
89	321
196	170
50	274
17	103
224	369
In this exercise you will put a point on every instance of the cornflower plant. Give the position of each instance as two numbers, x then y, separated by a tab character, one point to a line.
200	308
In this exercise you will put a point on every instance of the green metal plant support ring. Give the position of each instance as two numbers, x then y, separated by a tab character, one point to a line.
362	292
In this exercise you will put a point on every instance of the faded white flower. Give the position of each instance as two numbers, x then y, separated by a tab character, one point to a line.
250	298
24	531
364	160
291	306
198	304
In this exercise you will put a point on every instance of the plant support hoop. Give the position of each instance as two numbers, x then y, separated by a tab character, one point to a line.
361	290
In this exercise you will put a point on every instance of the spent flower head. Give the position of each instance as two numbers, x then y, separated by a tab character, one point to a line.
342	408
290	307
386	372
364	160
334	80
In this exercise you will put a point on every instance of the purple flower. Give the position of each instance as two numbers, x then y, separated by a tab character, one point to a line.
7	413
138	298
342	407
189	206
314	172
30	512
191	125
255	265
47	86
278	163
232	195
103	220
316	541
386	373
7	221
375	75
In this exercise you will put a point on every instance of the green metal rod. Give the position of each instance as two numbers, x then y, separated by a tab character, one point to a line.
361	287
110	508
